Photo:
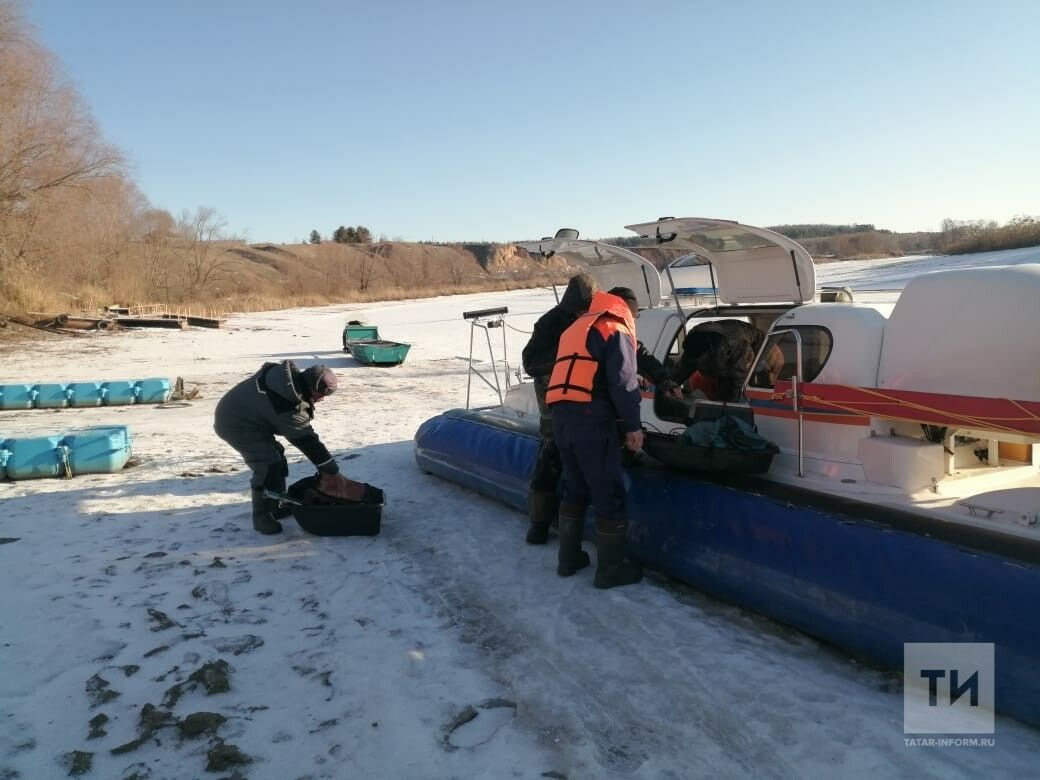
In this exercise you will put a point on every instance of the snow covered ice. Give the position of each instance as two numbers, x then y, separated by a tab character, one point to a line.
443	648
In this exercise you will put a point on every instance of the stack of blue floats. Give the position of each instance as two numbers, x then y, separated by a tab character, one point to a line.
98	450
58	396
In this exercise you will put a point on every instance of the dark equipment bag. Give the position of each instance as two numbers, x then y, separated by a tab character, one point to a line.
324	515
720	437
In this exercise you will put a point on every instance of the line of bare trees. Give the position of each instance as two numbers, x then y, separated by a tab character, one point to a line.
72	222
960	237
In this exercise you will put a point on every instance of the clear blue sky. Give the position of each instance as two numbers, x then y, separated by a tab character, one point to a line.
488	120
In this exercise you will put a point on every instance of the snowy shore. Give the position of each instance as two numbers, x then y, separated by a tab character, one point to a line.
445	647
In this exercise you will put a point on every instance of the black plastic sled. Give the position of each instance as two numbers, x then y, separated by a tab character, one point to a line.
323	515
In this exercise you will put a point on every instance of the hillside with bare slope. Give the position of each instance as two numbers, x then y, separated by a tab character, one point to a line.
224	276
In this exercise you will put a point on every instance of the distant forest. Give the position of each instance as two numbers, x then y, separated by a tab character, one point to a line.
847	242
956	237
822	231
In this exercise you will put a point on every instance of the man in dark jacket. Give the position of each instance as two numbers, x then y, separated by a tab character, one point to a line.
594	388
538	358
279	400
716	357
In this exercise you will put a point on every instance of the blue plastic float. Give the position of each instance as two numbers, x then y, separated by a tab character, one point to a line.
51	396
17	396
121	392
82	394
152	391
100	450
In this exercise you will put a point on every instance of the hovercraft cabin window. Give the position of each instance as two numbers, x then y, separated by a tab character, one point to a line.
777	362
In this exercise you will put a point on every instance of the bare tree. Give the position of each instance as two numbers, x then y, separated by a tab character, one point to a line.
205	260
54	169
396	271
455	272
157	232
366	269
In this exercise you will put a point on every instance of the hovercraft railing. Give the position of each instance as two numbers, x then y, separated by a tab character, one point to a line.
486	320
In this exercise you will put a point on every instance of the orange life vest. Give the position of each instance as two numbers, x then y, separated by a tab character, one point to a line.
575	369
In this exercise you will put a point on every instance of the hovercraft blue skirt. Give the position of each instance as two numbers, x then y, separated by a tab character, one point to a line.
858	578
479	450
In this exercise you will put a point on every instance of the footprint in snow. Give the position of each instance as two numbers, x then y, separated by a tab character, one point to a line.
475	726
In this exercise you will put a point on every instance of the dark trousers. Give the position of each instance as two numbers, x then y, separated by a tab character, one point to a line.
592	472
547	467
265	455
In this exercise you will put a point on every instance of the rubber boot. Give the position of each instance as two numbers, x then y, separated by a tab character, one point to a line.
612	568
543	513
263	513
572	558
276	478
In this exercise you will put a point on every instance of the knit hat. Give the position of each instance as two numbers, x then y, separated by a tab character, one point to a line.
320	381
586	285
625	293
578	295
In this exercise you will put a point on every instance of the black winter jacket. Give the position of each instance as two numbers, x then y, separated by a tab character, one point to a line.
270	403
651	368
539	355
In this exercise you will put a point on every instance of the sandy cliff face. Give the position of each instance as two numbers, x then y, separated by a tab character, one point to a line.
510	257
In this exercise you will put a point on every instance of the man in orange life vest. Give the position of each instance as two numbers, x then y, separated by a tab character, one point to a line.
539	357
594	387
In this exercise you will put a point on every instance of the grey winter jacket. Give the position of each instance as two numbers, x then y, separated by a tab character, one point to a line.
273	402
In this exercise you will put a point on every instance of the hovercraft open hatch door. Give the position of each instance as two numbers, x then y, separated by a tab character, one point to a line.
751	264
610	266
